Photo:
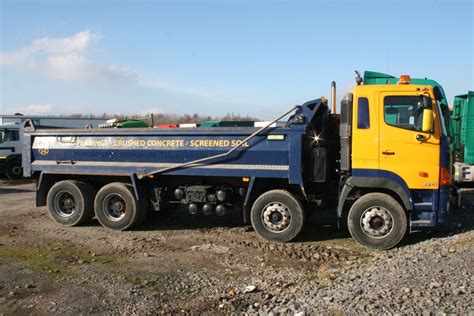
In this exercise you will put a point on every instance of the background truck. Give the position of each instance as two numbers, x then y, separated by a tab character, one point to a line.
381	177
10	150
463	127
56	121
124	123
10	142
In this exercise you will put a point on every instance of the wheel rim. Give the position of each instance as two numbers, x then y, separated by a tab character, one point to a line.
276	217
114	207
16	170
64	203
376	222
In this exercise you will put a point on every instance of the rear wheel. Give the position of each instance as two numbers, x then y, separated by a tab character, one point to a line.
277	216
116	207
70	203
13	170
377	220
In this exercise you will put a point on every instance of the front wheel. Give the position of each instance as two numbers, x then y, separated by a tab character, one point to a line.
377	220
13	170
277	216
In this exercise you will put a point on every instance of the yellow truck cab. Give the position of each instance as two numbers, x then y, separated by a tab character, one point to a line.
395	160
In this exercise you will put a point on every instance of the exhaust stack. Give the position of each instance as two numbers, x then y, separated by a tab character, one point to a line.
333	97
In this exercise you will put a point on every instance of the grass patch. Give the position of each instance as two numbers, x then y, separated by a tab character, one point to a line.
325	274
336	312
366	261
322	274
39	259
54	260
152	283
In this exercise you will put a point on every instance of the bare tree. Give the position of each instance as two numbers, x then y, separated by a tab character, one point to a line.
154	119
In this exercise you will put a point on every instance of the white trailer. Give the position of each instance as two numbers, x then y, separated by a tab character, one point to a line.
10	150
10	137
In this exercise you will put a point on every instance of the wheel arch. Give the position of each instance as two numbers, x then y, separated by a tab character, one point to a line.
357	186
13	157
258	186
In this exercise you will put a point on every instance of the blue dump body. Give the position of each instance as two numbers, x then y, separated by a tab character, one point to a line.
128	152
274	153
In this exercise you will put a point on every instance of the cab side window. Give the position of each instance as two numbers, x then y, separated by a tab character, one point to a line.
363	117
404	112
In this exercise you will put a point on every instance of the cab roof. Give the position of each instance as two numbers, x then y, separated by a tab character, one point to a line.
392	87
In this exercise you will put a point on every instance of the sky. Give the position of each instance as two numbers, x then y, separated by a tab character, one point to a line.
255	58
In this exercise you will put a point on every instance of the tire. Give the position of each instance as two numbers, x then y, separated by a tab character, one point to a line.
116	207
70	203
14	170
268	215
377	220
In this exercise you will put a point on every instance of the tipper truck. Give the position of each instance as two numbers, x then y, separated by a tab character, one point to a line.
381	165
463	125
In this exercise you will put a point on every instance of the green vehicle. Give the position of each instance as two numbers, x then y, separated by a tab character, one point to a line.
227	124
127	123
463	126
131	124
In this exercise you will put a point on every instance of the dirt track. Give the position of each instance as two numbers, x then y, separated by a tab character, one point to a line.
177	262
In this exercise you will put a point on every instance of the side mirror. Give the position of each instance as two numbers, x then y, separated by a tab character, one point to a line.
427	120
427	102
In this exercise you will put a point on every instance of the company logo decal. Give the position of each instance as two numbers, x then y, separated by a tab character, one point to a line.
43	151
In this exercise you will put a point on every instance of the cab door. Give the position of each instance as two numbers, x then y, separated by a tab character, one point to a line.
403	148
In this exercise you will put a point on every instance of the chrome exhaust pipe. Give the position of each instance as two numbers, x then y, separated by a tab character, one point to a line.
333	97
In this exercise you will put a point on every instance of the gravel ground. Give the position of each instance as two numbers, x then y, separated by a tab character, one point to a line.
179	263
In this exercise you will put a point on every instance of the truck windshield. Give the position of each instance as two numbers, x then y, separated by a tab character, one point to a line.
444	131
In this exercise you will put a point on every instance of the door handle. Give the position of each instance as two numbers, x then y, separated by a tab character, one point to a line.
388	153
